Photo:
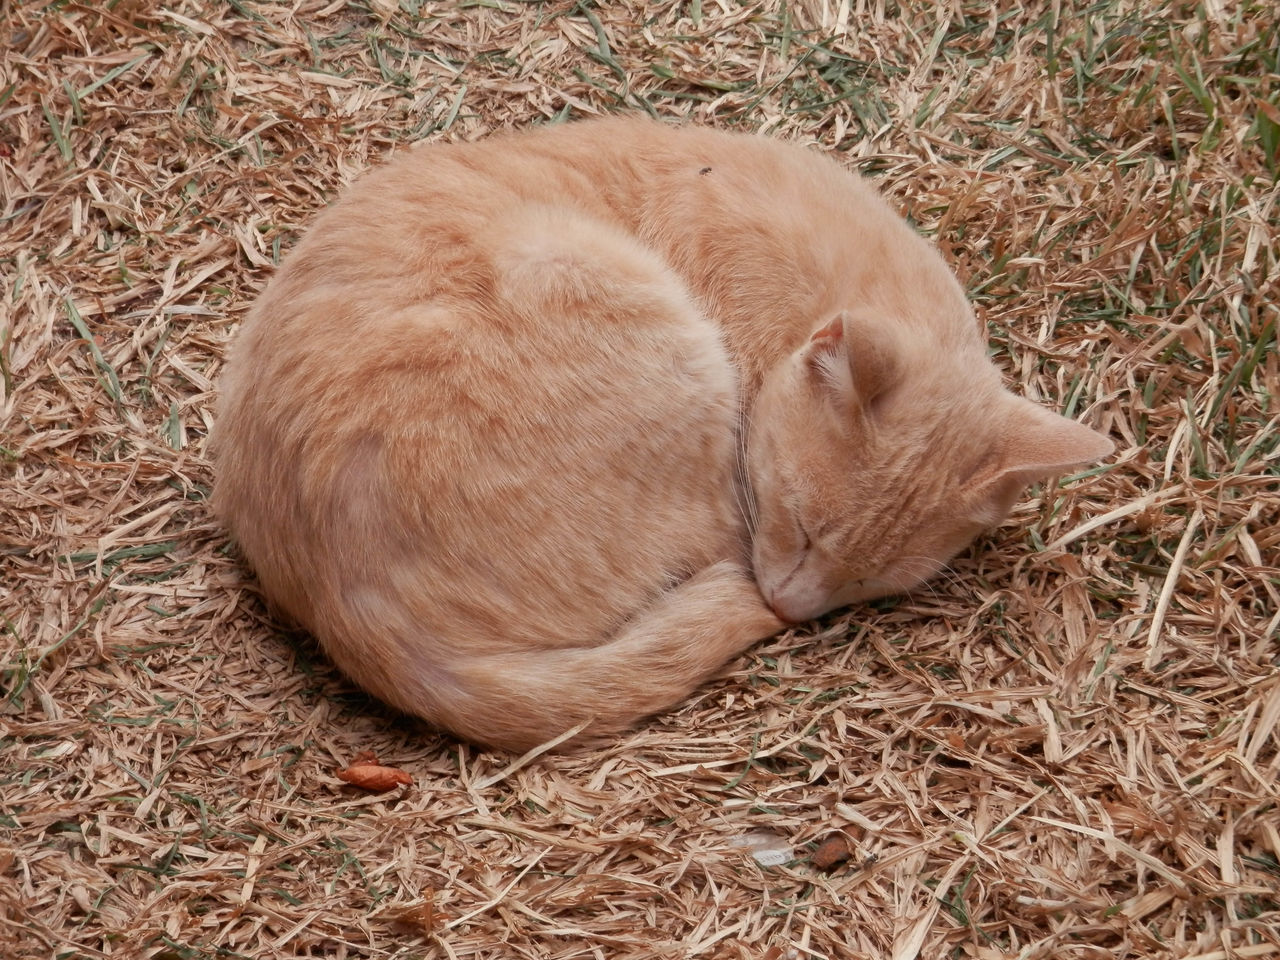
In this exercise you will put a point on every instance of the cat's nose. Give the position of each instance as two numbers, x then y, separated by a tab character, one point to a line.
786	617
776	597
798	599
783	613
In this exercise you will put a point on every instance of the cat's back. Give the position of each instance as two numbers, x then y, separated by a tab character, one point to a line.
630	171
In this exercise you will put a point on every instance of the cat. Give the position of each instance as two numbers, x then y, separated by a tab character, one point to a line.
538	432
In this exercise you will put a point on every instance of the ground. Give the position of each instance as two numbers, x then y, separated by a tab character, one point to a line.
1066	749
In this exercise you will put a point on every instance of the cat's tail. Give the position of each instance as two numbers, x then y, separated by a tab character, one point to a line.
517	701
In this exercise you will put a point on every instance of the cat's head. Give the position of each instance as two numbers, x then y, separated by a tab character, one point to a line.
874	461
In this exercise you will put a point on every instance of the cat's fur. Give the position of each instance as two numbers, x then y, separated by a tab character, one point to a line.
483	434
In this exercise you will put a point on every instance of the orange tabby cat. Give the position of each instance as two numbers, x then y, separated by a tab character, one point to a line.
544	429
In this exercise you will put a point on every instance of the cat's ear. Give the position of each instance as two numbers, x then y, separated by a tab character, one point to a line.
856	367
1035	444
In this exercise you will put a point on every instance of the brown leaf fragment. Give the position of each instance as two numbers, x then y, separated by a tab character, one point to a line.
365	772
832	851
423	917
1268	110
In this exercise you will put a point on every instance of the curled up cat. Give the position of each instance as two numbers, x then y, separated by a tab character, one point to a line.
543	430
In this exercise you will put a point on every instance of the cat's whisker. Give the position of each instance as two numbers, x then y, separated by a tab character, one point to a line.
922	569
950	574
933	591
744	493
931	571
928	580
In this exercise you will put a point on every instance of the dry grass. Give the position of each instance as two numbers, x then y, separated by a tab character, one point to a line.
1068	750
